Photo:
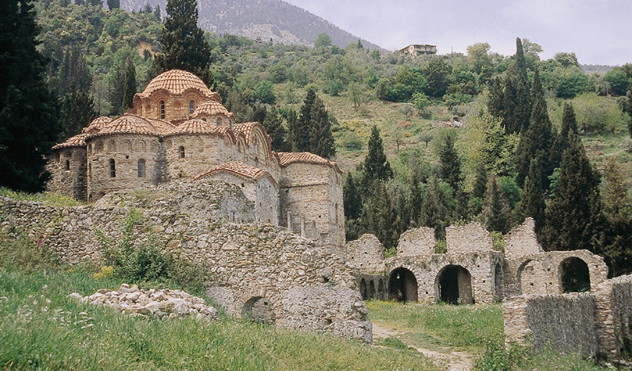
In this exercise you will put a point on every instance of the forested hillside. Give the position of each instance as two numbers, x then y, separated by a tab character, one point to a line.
426	141
266	20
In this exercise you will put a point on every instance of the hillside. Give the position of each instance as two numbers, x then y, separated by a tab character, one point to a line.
266	20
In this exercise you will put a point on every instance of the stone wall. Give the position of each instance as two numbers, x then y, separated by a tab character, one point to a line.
417	242
68	172
366	254
468	238
522	241
201	154
307	286
596	323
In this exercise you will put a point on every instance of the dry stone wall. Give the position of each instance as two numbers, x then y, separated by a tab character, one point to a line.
366	254
469	238
417	242
307	286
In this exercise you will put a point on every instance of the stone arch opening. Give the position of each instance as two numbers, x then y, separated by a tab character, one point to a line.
454	285
258	309
499	283
371	290
363	289
402	285
574	275
527	277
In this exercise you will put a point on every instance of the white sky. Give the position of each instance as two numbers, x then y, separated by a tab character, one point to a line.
597	31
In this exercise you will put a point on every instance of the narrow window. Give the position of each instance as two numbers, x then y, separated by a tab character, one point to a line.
162	109
112	168
182	154
141	168
67	164
191	106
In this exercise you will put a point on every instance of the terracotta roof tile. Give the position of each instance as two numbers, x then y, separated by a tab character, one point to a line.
176	82
200	127
240	169
129	124
96	125
211	108
288	158
78	140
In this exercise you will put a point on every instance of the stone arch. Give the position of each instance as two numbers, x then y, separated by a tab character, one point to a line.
381	290
363	289
126	146
402	285
574	275
453	285
258	309
112	145
140	145
499	283
371	290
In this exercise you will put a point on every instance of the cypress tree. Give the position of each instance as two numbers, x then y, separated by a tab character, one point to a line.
618	211
129	86
495	104
29	123
496	214
275	129
77	111
321	140
532	203
434	213
74	72
299	129
114	4
569	127
517	101
183	43
450	162
574	216
157	13
416	200
375	165
536	138
379	216
351	198
629	109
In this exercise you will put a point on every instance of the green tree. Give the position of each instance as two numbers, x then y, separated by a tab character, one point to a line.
321	139
351	198
264	92
156	12
573	216
449	161
421	102
29	123
569	127
73	72
322	41
629	109
495	104
129	86
375	165
275	129
618	211
379	216
537	137
517	100
532	203
478	57
77	111
437	74
496	214
183	43
114	4
434	211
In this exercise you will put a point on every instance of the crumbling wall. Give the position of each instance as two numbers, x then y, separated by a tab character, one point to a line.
417	242
613	299
468	238
522	241
246	262
366	254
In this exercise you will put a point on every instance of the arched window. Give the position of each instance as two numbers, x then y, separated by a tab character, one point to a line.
191	106
141	168
162	109
112	168
67	164
182	154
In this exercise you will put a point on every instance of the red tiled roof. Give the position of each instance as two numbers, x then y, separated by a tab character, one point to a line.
201	127
78	140
288	158
133	124
176	82
96	125
240	169
211	108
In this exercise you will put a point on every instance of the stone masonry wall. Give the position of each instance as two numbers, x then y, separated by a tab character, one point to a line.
366	254
522	241
468	238
417	242
307	286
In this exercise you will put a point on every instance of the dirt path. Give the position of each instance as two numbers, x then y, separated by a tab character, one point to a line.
443	357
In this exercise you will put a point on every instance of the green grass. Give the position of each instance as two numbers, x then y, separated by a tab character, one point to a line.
48	198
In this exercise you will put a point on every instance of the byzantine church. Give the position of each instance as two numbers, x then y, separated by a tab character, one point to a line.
179	129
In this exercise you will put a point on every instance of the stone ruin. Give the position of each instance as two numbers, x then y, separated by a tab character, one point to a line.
258	271
559	298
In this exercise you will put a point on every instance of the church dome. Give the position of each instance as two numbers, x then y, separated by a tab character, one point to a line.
211	108
176	82
128	124
96	125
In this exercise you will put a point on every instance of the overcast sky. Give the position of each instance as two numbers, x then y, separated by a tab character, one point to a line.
597	31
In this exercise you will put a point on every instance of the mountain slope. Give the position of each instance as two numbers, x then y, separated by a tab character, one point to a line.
273	20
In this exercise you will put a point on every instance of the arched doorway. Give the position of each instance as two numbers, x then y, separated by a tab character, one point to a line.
381	290
363	291
371	290
454	285
529	276
402	285
258	309
574	275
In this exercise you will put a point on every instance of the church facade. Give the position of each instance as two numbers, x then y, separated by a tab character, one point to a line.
179	129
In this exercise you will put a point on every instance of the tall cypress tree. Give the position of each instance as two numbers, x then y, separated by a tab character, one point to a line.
299	128
183	43
496	214
29	123
77	111
450	162
351	198
434	213
517	101
379	216
275	129
536	138
129	86
574	217
629	109
321	140
496	96
569	127
532	203
375	165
